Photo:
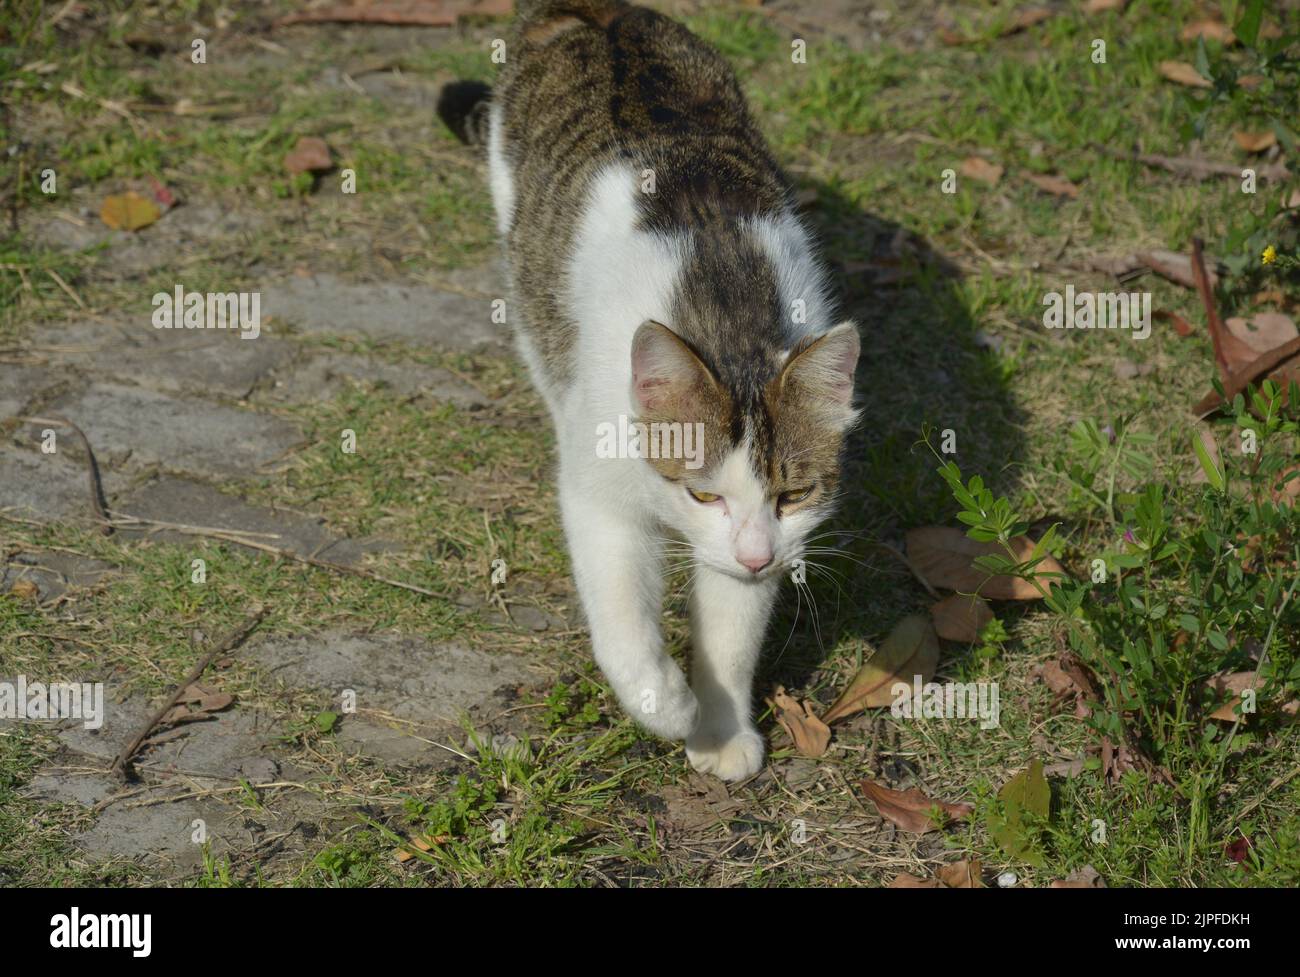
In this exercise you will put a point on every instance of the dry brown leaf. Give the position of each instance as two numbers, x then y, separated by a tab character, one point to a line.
1250	82
1286	486
25	590
128	211
977	168
905	881
1058	186
811	736
1263	331
1211	30
911	649
961	618
961	875
945	558
910	809
309	155
1231	686
1175	266
1082	878
1254	142
1067	678
1184	74
1101	6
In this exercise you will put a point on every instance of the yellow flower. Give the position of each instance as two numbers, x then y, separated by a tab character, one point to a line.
1269	256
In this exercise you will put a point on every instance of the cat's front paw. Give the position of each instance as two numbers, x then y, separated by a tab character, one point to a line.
667	707
735	758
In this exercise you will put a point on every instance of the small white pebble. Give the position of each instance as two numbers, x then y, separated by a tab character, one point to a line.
1007	879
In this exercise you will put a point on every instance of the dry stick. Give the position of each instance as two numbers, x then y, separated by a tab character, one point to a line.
1212	320
122	764
92	469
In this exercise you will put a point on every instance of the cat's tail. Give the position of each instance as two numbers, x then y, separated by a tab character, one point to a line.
463	105
463	108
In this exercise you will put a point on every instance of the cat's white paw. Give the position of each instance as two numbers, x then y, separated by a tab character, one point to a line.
667	707
736	758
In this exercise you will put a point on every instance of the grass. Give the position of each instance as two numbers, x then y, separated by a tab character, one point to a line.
955	342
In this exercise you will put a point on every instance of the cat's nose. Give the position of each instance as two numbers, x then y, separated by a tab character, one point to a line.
755	563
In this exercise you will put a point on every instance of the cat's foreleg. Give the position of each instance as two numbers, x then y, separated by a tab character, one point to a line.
617	569
728	620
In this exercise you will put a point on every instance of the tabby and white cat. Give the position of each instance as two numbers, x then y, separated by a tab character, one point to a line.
659	273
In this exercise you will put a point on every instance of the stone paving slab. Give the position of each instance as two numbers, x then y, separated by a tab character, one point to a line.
183	502
54	574
186	229
188	435
45	488
19	382
324	376
429	686
416	314
189	361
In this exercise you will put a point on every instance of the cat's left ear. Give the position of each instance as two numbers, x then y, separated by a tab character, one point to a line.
820	369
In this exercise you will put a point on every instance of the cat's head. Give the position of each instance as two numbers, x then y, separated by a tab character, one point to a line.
771	435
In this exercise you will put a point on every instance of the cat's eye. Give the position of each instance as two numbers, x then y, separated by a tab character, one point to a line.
794	496
703	497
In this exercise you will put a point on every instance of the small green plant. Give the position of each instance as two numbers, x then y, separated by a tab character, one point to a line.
1256	86
1197	583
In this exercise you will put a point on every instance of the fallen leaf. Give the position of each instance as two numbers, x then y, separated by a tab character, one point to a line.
1254	142
1263	331
811	735
424	13
944	557
911	649
421	843
1101	6
128	211
1175	266
1276	363
164	197
976	168
1231	686
961	875
961	618
1027	793
1238	850
904	881
1211	30
309	155
1081	878
1286	486
1067	678
1250	82
1055	185
1184	74
910	810
25	590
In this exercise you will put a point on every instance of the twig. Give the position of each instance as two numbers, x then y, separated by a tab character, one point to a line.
92	469
122	764
1212	320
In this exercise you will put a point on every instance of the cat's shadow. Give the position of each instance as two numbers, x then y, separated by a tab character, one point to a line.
925	364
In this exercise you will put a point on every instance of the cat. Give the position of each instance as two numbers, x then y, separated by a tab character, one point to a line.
660	275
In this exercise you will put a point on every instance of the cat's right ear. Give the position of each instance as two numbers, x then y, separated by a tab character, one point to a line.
666	372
